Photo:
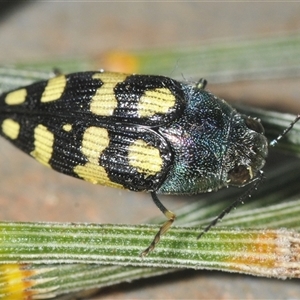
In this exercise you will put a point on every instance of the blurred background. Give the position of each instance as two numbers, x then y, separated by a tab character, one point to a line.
117	35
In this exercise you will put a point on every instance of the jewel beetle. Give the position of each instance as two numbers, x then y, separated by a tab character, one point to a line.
137	132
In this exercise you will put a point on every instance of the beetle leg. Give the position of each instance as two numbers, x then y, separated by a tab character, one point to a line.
164	228
201	84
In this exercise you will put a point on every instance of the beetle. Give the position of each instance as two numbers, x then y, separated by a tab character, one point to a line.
137	132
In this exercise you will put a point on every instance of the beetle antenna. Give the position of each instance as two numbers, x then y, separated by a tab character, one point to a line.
201	84
234	204
285	131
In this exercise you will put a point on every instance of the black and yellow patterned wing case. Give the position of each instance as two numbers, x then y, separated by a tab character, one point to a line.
138	132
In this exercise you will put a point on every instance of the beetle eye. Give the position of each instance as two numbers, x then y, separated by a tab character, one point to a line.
240	175
254	125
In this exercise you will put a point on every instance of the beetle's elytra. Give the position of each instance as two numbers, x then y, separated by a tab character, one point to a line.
138	132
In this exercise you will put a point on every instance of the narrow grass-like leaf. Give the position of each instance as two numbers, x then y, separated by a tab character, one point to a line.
219	62
220	249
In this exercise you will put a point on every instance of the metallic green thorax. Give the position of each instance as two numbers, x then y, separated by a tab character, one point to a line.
214	146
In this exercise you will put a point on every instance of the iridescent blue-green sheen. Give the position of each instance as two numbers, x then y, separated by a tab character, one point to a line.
213	146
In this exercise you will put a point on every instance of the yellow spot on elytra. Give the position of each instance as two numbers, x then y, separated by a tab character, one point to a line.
146	159
54	89
104	101
11	128
15	283
157	101
95	141
43	142
16	97
67	127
